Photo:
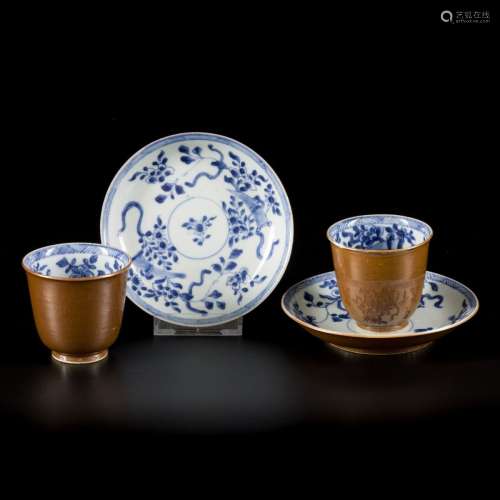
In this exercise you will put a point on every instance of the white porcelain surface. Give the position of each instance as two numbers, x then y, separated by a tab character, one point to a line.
208	226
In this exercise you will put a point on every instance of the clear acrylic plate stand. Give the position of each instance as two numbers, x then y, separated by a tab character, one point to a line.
230	329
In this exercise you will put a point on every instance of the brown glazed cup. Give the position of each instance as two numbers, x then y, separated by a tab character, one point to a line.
77	294
380	263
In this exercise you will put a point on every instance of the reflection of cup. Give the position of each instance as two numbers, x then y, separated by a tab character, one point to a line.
77	294
380	263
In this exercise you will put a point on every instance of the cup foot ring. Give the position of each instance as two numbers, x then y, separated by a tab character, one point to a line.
380	352
81	359
382	329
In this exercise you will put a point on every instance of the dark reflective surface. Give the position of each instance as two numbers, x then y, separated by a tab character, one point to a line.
279	380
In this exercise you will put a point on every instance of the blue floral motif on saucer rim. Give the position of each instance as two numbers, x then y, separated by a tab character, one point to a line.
208	225
76	261
316	305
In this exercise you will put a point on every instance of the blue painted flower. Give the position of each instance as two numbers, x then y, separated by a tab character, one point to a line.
304	317
41	269
156	247
364	237
199	227
135	282
237	283
240	178
190	155
398	235
331	283
172	189
242	225
157	172
85	269
272	200
111	269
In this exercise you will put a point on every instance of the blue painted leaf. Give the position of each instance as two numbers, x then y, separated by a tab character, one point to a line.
434	287
221	305
235	253
63	262
93	259
308	297
230	265
183	149
197	150
167	187
186	296
233	156
217	268
326	297
209	305
215	294
187	159
179	189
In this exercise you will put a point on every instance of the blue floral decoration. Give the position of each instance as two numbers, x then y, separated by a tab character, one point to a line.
87	268
199	228
376	237
254	198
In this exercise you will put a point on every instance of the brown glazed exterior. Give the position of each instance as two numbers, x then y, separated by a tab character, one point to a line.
383	345
380	288
78	318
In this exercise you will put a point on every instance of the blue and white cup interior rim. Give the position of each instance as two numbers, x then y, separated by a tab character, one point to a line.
41	260
379	232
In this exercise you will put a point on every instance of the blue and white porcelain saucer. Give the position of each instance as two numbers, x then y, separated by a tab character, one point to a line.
316	305
207	223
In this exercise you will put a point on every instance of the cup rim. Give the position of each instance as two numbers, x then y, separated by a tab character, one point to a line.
125	268
394	250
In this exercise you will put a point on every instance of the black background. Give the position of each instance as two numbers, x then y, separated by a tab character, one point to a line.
357	112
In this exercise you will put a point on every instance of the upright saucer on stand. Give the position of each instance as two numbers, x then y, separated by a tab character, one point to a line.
316	305
207	223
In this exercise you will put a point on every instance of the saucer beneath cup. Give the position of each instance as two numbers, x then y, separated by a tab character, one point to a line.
315	304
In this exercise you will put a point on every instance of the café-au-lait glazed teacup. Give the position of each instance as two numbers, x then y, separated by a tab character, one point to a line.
380	263
77	294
